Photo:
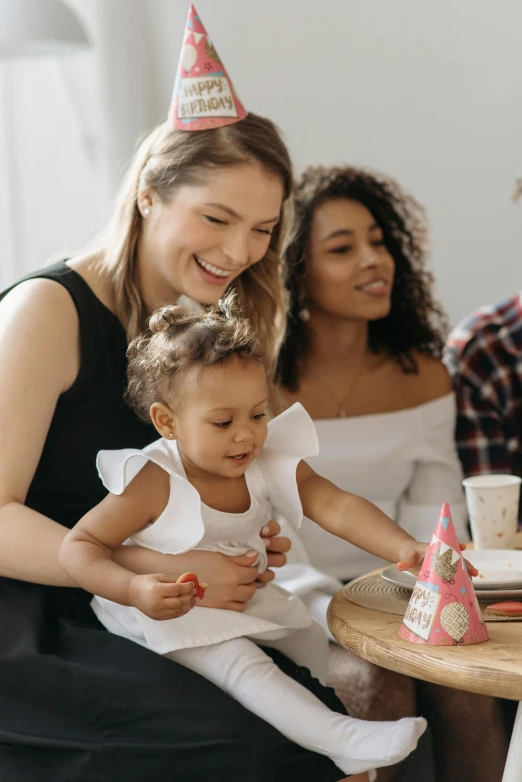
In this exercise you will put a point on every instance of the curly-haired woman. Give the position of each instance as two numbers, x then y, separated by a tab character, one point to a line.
362	353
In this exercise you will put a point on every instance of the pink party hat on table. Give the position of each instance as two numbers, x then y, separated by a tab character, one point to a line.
203	96
443	608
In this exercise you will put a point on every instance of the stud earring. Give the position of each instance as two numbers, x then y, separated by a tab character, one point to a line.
171	435
146	211
304	314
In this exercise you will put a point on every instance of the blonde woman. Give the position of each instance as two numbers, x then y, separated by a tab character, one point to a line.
197	213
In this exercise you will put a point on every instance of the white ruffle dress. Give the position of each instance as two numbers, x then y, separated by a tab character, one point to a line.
187	523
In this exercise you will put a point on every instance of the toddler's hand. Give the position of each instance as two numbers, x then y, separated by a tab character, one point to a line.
199	586
160	596
412	556
472	570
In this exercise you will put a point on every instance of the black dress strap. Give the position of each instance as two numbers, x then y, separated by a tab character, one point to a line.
102	337
91	415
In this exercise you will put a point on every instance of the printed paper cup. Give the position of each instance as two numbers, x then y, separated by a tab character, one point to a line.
492	502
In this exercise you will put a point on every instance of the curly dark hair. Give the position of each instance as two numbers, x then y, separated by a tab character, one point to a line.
415	320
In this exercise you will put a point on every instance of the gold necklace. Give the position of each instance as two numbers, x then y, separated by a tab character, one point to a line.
340	403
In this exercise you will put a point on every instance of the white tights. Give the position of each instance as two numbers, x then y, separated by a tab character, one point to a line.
245	672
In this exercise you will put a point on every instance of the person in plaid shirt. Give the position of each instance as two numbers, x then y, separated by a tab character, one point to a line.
484	356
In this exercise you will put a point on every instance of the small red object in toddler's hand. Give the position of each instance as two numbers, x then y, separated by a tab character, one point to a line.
505	609
199	586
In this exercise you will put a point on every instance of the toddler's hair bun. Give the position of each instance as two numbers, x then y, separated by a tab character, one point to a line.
166	317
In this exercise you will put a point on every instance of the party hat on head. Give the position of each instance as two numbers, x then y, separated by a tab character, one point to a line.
203	96
443	608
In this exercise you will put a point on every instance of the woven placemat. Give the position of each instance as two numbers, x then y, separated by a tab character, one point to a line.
374	592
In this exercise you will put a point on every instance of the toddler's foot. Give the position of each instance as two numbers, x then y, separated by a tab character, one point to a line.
376	744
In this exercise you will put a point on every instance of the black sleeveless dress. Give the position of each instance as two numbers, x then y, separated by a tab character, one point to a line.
78	704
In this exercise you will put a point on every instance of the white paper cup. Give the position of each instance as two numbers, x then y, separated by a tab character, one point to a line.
492	502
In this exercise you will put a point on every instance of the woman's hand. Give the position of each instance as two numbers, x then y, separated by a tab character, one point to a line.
412	556
276	548
231	580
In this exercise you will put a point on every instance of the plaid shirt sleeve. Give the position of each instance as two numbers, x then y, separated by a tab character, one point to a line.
481	440
484	362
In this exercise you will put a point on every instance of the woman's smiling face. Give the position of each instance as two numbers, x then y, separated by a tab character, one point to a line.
349	271
207	234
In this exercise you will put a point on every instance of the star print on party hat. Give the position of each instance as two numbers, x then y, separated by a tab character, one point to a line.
443	608
203	96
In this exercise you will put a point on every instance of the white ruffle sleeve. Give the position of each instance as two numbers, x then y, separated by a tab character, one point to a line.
172	533
298	576
291	438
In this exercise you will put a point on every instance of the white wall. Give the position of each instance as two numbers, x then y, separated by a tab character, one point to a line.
430	92
51	182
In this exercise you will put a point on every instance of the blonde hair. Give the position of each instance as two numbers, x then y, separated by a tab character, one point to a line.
176	341
169	159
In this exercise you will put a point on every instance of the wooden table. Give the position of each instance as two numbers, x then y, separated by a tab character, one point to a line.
491	668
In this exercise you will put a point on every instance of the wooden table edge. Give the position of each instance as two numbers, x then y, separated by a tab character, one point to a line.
430	668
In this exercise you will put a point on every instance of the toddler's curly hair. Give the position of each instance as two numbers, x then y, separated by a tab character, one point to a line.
177	340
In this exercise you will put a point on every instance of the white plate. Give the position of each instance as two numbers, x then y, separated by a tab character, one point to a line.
408	581
498	568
